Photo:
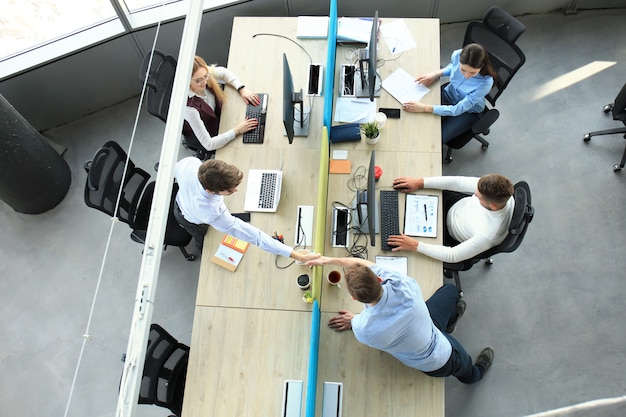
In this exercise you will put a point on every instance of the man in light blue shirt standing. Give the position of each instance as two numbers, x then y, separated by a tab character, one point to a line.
396	320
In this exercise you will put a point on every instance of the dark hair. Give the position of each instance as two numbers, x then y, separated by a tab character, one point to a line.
363	284
495	188
476	56
216	176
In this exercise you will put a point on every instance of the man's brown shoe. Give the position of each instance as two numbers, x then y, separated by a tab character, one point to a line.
485	359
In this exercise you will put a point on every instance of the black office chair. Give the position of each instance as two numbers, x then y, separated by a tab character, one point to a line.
497	33
175	235
102	186
164	371
522	216
160	80
618	111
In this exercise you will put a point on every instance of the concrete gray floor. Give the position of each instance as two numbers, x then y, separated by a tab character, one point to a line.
552	310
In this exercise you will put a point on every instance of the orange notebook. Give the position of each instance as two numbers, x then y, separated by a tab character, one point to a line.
230	252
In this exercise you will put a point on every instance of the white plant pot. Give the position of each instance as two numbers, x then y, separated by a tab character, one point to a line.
372	141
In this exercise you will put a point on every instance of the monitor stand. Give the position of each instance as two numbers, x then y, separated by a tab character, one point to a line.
359	223
361	92
300	130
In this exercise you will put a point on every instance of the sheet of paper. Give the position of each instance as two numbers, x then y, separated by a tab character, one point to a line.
393	263
312	27
397	36
420	215
354	110
354	29
402	86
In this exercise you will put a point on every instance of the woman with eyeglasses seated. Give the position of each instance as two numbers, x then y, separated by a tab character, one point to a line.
205	101
463	98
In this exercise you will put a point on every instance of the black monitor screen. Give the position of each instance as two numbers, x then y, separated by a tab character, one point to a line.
371	63
287	100
371	200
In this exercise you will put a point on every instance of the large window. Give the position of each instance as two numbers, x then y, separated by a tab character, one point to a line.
25	24
36	31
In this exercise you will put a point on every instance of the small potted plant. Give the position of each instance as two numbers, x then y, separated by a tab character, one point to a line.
371	131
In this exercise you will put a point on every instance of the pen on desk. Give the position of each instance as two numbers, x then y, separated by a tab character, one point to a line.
425	213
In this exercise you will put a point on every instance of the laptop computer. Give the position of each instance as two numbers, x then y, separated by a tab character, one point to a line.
263	192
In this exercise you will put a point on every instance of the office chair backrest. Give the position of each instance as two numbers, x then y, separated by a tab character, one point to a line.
104	179
497	32
160	80
619	107
522	216
164	372
175	235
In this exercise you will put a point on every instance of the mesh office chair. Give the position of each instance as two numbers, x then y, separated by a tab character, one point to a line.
102	186
165	371
618	111
522	216
497	33
160	80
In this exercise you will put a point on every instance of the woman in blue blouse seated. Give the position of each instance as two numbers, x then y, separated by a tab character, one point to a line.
463	99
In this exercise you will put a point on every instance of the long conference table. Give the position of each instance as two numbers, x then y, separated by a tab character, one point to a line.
252	330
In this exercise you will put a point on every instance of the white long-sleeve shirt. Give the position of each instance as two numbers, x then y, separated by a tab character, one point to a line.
201	207
192	116
477	228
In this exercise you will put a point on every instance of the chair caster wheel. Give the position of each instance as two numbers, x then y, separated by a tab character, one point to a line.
587	138
191	258
617	167
607	109
484	147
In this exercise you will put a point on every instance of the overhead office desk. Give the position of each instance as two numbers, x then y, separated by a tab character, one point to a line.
251	329
375	383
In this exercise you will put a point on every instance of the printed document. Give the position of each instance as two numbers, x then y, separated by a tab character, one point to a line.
420	215
402	86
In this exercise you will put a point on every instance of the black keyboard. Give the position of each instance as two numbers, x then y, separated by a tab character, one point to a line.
268	188
257	112
389	216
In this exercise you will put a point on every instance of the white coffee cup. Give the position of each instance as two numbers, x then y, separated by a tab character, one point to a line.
381	119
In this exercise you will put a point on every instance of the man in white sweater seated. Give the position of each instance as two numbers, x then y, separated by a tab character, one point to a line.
473	222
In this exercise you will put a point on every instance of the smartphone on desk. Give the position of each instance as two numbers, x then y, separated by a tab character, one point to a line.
390	113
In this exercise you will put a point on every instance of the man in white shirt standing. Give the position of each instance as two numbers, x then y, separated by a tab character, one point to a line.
200	203
477	214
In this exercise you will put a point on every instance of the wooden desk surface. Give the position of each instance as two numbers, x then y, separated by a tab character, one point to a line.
375	383
258	61
413	131
240	358
251	329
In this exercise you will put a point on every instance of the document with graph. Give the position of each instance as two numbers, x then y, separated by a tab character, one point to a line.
420	215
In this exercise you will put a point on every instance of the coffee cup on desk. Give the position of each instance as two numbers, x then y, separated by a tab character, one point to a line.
303	281
333	277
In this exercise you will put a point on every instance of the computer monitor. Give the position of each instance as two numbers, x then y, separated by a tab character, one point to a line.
293	118
369	87
371	200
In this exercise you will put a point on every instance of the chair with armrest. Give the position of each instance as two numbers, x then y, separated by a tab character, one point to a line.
618	111
522	216
102	186
497	33
160	79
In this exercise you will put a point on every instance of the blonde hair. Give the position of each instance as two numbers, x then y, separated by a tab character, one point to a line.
199	62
